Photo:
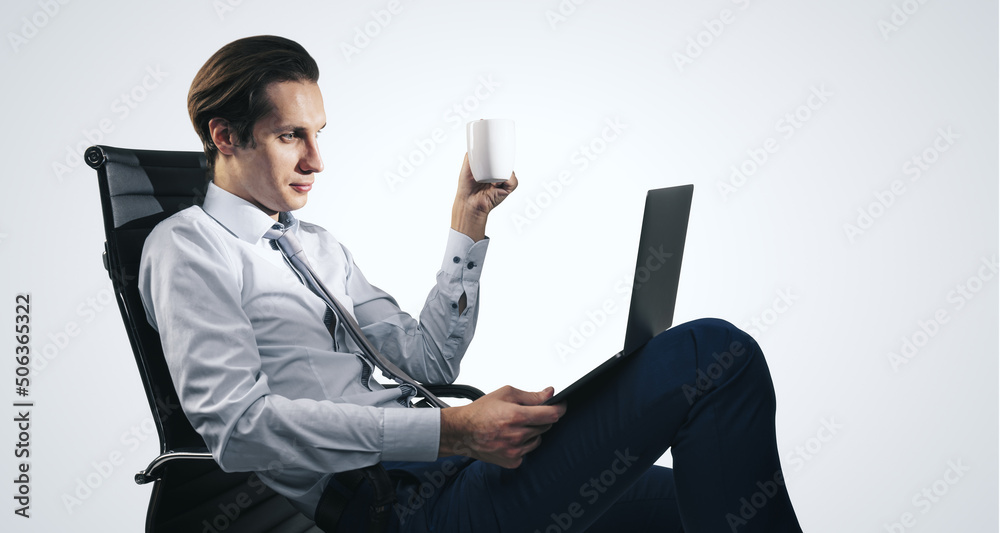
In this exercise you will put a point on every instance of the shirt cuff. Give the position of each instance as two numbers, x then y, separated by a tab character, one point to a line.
412	434
463	258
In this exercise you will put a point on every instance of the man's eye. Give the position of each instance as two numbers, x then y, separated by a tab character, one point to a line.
287	136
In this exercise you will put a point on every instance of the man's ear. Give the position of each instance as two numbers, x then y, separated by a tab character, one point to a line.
222	135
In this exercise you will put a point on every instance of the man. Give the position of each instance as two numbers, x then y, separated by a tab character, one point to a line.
262	379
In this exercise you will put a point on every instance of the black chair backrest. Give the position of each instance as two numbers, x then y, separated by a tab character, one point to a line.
139	188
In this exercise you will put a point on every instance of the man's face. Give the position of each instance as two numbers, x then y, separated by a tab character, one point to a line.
277	174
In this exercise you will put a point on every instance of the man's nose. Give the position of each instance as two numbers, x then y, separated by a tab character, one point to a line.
311	161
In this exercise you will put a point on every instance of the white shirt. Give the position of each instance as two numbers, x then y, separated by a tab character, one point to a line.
257	372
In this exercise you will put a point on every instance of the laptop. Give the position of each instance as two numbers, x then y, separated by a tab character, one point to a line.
657	275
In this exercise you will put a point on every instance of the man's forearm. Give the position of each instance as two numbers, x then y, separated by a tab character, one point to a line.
468	220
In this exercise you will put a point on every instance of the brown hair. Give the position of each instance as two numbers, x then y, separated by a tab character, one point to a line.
232	85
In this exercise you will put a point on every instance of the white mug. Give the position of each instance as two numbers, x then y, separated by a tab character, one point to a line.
490	143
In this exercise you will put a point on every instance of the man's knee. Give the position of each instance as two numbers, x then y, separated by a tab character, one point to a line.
720	341
722	351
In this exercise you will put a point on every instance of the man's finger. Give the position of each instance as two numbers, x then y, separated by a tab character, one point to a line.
542	415
529	398
536	431
533	442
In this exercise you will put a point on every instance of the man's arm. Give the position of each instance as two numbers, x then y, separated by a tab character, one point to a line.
473	203
506	424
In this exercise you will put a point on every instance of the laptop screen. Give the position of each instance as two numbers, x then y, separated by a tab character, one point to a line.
658	267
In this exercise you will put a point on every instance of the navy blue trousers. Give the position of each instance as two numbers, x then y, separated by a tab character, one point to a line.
701	390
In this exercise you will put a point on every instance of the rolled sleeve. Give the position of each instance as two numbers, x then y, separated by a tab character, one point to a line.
411	434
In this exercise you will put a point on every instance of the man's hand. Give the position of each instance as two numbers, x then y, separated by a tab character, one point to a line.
474	201
499	428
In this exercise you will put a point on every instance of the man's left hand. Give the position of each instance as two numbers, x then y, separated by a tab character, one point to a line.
474	201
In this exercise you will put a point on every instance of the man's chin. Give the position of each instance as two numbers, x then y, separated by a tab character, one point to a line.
296	203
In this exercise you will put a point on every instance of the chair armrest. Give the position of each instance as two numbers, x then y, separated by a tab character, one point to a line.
445	391
456	391
155	468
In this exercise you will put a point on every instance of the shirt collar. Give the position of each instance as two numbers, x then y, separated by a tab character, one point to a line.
240	217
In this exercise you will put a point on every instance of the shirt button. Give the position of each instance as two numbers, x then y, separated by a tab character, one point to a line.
471	265
456	259
454	305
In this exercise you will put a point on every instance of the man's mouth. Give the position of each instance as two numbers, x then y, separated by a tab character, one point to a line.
302	187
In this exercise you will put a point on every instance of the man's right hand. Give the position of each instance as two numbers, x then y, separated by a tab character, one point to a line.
499	428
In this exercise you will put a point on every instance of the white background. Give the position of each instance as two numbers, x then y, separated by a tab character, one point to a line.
893	74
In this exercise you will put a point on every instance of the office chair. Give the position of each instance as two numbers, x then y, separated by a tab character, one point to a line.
191	493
